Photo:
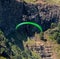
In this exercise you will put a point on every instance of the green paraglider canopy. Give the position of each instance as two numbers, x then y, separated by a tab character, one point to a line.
29	23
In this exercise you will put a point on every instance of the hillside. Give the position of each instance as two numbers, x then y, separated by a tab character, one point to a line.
57	2
28	42
52	2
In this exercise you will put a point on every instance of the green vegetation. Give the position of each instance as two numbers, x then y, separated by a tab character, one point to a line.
45	15
2	57
55	32
29	41
57	2
26	54
36	55
42	35
53	25
29	1
15	50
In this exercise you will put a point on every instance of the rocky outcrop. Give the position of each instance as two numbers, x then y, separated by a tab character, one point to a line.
14	12
44	15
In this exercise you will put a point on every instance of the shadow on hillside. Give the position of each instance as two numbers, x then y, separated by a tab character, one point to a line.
11	13
20	35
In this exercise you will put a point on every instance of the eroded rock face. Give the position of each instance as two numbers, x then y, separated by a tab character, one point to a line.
14	12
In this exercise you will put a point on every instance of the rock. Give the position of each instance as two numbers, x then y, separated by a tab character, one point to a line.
14	12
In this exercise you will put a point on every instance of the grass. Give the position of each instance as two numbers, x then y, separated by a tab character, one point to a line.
2	57
56	50
36	55
57	2
56	47
29	42
29	1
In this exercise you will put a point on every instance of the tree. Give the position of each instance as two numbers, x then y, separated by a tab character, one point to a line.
42	36
59	26
53	25
58	40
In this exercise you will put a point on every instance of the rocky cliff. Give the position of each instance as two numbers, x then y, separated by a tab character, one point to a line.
14	12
